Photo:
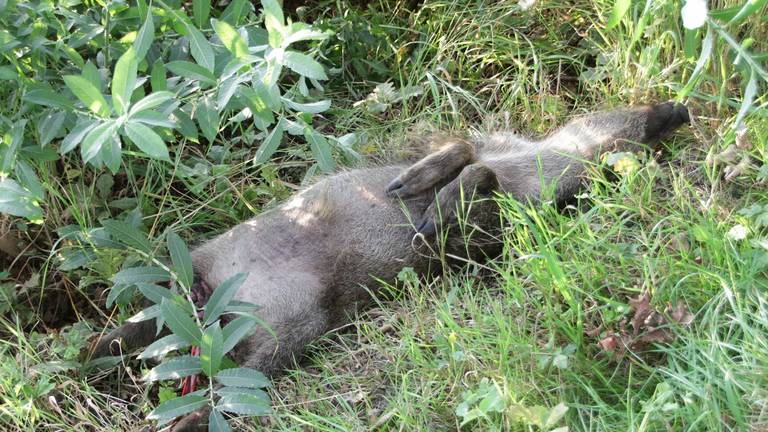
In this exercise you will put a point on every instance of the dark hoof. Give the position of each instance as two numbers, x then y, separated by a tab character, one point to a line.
426	227
395	188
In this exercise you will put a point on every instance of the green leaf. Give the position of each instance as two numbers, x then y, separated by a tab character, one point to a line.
182	260
706	53
201	9
235	11
145	314
154	118
221	297
17	201
150	101
92	75
749	96
620	8
192	71
270	144
750	7
201	49
177	407
303	34
230	38
304	65
211	349
157	78
258	102
10	146
154	293
44	95
216	422
244	404
163	346
258	393
29	181
147	140
127	235
273	21
96	138
88	94
180	323
313	107
237	329
110	153
137	275
145	37
124	81
207	118
321	150
50	125
76	135
242	377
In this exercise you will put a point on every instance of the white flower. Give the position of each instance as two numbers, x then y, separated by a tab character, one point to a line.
694	14
738	232
526	4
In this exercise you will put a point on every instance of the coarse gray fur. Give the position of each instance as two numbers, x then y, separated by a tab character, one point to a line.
312	261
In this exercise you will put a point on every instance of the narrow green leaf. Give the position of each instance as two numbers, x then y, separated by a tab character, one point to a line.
145	37
144	274
620	8
312	108
150	101
111	153
242	377
182	260
27	178
750	7
154	118
706	52
211	349
201	9
258	102
155	293
96	138
127	235
10	145
304	65
258	393
235	11
163	346
88	94
92	75
145	314
207	118
230	38
124	80
321	150
217	423
177	407
273	21
243	404
147	140
50	125
43	95
270	144
180	323
222	295
157	78
192	71
114	292
201	49
76	135
750	91
16	201
236	330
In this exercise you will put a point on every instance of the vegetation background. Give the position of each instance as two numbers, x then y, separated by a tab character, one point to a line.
206	116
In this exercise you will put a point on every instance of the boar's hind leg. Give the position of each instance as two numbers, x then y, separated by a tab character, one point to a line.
434	170
126	338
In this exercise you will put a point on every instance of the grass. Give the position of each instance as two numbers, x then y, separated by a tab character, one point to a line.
503	343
